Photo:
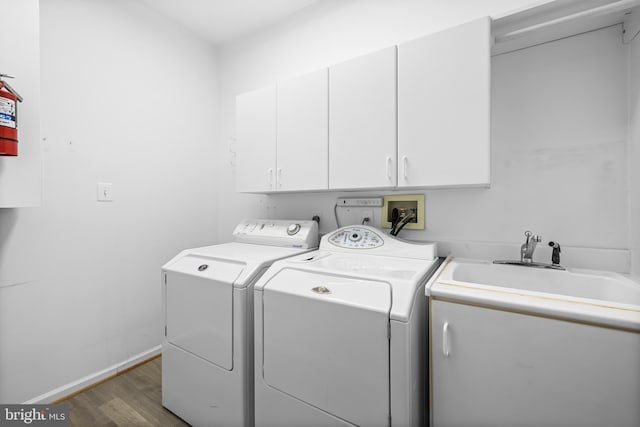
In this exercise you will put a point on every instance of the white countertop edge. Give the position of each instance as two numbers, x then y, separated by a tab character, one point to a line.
622	316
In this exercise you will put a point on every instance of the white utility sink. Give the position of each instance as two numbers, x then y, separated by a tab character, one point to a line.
514	345
597	285
596	297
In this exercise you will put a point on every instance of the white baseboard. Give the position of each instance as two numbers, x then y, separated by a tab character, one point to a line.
94	378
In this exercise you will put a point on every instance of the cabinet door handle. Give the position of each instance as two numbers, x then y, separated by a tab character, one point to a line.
279	178
404	166
445	339
270	177
388	167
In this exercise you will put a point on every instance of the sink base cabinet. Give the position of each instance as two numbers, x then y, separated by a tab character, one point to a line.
497	368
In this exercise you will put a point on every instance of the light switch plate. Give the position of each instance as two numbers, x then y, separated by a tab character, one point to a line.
105	192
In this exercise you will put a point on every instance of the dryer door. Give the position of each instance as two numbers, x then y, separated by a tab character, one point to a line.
199	307
326	343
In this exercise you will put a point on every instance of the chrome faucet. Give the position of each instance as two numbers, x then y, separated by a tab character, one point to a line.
529	246
526	254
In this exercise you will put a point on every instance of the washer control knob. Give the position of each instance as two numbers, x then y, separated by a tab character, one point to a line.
355	236
293	229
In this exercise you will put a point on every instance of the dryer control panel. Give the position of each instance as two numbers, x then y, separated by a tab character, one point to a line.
356	238
276	232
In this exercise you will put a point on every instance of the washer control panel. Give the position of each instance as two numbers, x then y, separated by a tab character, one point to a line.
356	238
274	232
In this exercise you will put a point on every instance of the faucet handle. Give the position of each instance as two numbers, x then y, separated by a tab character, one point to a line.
555	255
532	237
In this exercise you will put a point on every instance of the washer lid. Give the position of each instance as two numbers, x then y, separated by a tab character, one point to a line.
326	287
207	268
254	258
326	343
406	277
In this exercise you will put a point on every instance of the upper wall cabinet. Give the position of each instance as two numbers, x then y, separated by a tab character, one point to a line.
362	117
416	115
302	134
256	140
444	108
282	136
21	175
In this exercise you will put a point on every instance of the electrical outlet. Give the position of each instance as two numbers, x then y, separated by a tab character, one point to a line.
406	204
354	210
362	202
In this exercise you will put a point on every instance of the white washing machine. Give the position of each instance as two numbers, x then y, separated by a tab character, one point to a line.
340	333
207	352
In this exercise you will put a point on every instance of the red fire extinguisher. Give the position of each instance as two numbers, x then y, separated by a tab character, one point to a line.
9	99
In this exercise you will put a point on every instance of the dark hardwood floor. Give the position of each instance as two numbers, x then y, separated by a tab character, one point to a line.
133	398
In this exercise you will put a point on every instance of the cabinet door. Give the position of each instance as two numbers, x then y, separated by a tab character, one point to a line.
362	121
497	368
256	140
444	109
21	176
303	127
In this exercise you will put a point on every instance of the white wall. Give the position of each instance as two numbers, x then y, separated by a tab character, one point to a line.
559	131
634	157
128	98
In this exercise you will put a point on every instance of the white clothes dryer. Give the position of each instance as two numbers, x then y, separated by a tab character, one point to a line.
340	333
207	351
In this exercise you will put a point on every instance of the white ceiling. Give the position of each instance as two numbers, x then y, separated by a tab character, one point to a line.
222	21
